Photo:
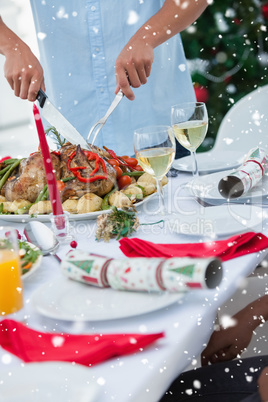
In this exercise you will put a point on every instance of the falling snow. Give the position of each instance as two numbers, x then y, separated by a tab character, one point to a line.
41	35
133	17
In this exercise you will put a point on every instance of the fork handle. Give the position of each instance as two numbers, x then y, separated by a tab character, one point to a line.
103	120
115	102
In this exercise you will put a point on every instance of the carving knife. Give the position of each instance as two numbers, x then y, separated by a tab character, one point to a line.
56	119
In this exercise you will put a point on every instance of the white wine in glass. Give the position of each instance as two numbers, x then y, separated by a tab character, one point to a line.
155	150
190	124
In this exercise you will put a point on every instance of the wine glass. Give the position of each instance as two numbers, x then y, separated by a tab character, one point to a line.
190	124
11	289
155	150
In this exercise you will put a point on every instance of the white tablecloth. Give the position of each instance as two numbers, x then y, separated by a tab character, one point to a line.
187	324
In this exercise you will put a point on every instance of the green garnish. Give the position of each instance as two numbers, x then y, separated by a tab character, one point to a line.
119	223
30	256
11	167
60	142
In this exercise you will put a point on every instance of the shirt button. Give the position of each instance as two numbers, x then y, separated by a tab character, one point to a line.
97	49
102	90
93	8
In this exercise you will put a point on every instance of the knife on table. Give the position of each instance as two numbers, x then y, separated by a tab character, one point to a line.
54	117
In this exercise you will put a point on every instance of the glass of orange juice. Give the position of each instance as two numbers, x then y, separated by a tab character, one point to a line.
11	289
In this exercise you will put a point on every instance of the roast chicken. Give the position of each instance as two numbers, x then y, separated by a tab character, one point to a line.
30	178
78	188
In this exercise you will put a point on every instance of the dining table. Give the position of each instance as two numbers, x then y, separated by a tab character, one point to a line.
187	320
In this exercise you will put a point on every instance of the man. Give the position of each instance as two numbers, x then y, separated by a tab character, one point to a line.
90	49
241	380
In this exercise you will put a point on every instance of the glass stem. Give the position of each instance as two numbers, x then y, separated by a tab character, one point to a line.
162	207
195	168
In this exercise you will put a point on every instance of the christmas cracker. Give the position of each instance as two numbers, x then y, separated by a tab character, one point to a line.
247	176
138	274
143	274
180	274
86	267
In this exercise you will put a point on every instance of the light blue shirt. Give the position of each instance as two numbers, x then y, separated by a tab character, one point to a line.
79	41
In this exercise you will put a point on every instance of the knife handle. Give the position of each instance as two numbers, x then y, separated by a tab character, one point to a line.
41	97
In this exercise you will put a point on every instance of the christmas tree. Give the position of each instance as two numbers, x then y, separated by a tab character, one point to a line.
227	51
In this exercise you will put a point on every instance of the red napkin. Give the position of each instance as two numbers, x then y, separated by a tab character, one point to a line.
34	346
233	247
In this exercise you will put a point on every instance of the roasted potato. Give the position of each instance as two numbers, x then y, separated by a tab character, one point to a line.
148	183
2	198
133	192
7	206
147	178
18	204
89	203
148	188
41	208
164	181
119	200
70	206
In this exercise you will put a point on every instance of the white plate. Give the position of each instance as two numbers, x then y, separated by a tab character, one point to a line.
47	382
206	188
35	265
72	217
210	162
46	218
223	220
65	299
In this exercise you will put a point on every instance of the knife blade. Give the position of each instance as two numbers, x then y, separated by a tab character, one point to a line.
54	117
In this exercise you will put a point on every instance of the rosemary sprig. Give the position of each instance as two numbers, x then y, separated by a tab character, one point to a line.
58	139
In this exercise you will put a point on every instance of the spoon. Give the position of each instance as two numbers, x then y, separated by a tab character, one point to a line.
41	236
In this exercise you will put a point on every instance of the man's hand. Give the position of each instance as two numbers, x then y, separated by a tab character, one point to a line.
22	69
229	341
134	63
23	72
226	344
263	385
133	66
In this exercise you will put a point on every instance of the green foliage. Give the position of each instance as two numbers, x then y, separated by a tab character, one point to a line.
56	136
119	223
227	49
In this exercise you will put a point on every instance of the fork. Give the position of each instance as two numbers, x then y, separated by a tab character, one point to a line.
103	119
208	204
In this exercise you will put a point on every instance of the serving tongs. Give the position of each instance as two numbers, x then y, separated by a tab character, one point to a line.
100	123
